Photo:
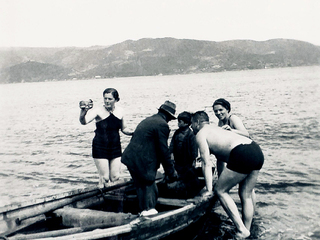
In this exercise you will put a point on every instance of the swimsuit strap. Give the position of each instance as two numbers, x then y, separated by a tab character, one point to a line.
228	121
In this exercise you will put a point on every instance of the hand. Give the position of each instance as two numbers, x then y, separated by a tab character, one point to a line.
174	177
226	127
196	162
86	104
207	194
82	104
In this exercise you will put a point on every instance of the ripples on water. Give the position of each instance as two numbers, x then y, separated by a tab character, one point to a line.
45	150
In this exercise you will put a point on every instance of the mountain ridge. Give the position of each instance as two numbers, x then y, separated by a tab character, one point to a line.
147	57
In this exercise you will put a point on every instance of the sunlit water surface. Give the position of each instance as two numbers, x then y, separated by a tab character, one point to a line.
45	150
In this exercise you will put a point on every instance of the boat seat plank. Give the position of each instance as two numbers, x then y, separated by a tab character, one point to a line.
75	217
172	202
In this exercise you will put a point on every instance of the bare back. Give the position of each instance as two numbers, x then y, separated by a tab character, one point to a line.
219	141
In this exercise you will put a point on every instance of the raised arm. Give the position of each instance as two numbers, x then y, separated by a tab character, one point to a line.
82	117
87	115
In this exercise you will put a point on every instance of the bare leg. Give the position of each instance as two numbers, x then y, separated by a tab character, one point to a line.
115	167
103	170
247	196
227	180
254	199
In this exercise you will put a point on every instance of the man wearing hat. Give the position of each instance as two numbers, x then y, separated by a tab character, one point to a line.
148	148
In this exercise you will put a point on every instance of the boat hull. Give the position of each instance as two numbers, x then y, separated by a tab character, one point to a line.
109	213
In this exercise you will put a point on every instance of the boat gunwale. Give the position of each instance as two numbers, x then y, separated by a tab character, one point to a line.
114	231
59	196
98	233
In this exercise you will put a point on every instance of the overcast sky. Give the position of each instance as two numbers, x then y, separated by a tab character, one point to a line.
84	23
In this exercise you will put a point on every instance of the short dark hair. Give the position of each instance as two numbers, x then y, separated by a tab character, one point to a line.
114	93
224	103
186	117
200	116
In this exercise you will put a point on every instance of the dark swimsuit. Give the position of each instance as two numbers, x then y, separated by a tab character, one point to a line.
245	158
229	123
106	143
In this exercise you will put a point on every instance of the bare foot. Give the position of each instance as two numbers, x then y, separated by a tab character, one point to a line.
106	183
243	234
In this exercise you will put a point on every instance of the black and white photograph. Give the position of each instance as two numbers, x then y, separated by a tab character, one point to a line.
160	119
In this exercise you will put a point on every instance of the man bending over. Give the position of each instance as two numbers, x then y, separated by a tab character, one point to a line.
245	159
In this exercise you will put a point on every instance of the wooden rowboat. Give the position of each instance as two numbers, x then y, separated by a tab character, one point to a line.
93	213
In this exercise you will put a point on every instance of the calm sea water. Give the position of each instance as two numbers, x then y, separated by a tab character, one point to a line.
45	150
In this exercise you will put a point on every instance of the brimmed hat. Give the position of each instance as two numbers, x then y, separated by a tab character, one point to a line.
170	108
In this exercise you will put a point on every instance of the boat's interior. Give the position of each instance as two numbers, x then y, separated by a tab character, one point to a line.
111	208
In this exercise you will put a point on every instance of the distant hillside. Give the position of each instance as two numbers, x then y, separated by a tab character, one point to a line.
35	72
147	57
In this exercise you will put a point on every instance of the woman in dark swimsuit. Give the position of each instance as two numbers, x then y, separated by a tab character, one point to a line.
222	108
106	146
231	122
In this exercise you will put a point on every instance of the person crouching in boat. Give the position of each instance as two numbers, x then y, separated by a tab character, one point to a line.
106	147
147	149
184	151
245	159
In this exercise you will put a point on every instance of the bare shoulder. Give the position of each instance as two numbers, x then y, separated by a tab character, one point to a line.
118	112
201	139
100	113
205	131
234	118
99	110
92	114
